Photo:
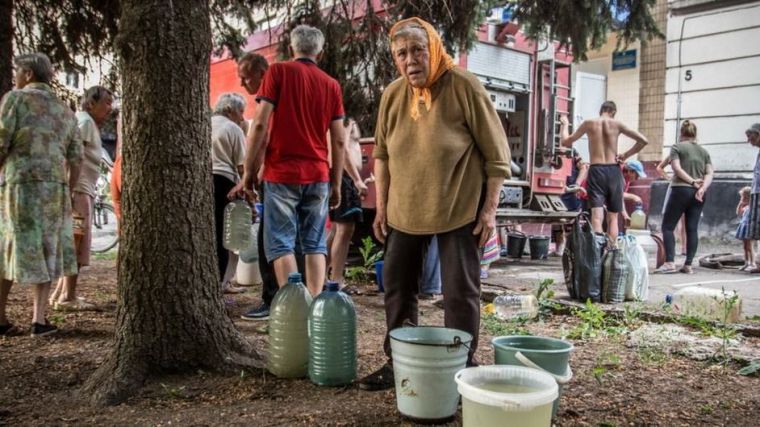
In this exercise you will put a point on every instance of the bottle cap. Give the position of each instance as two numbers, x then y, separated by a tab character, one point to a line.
332	286
294	278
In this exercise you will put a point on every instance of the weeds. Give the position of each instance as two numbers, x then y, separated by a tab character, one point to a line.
174	392
497	327
603	362
544	296
369	257
725	330
752	369
57	319
652	355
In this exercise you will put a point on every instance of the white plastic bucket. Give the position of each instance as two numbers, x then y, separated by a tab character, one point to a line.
425	359
247	274
527	402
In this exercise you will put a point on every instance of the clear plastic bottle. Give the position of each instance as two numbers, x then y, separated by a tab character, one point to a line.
237	225
332	338
250	254
510	307
707	303
638	218
288	330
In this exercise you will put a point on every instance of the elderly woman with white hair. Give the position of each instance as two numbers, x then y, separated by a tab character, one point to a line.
227	155
38	138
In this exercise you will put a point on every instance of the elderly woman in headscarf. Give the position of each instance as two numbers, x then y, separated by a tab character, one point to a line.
441	157
38	136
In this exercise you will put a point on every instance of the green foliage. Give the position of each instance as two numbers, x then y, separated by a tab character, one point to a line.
595	323
725	330
752	369
602	364
174	392
544	296
497	327
585	25
370	255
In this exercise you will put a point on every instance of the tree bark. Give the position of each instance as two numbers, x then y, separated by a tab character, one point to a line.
6	46
170	315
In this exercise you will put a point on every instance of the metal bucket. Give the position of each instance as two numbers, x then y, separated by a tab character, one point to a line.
425	359
545	354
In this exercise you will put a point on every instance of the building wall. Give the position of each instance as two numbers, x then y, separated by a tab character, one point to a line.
623	86
713	79
652	87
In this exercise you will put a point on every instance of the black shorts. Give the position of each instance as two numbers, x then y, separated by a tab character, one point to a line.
350	209
605	187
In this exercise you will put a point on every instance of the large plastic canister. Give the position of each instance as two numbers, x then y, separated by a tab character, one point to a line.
332	338
236	230
288	330
707	303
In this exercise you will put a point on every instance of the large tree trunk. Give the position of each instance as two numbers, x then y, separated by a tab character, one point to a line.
6	46
171	314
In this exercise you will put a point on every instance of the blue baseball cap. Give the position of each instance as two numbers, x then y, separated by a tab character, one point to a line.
637	167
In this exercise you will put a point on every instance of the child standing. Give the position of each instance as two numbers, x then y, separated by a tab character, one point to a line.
742	210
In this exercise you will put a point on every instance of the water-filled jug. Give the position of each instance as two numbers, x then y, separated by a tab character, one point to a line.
237	225
250	253
288	330
510	307
707	303
332	338
638	218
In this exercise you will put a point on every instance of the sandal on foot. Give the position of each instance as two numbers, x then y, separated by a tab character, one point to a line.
665	270
686	269
755	270
382	379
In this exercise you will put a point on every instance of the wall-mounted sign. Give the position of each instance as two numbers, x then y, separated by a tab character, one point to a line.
624	60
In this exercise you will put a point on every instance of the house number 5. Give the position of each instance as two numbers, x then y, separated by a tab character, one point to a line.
687	77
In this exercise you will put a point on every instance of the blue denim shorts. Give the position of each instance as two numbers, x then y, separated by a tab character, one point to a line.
294	211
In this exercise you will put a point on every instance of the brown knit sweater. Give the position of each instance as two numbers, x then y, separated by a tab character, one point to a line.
439	163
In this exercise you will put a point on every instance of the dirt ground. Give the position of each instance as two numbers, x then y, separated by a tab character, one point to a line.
613	385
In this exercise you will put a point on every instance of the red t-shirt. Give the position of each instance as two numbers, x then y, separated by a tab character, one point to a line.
306	100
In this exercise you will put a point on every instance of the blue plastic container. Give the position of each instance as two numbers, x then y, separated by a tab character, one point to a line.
379	276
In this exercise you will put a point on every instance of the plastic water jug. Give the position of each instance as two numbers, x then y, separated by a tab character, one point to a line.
288	330
237	225
510	307
332	338
707	303
250	254
638	218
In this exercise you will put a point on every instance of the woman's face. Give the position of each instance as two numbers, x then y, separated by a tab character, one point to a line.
412	57
753	138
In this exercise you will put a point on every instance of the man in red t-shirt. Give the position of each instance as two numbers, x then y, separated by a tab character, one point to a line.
303	103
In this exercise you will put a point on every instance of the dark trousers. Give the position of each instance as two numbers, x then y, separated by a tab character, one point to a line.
681	202
269	285
222	186
460	280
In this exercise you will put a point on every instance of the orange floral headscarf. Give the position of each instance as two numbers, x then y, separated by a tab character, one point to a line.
440	62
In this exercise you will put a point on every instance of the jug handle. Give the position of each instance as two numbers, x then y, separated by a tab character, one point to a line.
561	379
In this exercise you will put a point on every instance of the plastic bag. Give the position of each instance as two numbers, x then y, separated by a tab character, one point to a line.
640	264
615	275
587	250
627	245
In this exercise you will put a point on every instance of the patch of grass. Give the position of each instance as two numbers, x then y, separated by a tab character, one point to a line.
174	392
497	327
706	409
594	323
57	319
370	255
105	256
752	369
652	355
604	361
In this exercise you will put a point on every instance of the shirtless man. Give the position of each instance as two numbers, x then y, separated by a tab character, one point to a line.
345	217
605	178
